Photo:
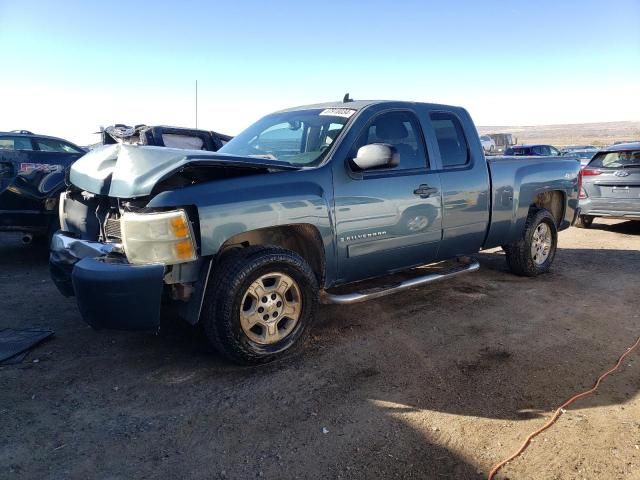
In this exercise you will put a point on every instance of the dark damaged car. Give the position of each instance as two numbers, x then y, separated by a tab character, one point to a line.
334	203
32	172
33	169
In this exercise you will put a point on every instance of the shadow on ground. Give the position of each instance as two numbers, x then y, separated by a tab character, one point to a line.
629	227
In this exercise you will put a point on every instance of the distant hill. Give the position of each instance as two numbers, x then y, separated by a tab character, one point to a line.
604	133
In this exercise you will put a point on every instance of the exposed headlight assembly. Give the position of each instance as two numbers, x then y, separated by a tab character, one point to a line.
162	237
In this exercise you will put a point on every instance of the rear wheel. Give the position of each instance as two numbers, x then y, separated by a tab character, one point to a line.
584	221
533	254
261	304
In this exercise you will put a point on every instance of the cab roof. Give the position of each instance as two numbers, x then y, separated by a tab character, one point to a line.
360	104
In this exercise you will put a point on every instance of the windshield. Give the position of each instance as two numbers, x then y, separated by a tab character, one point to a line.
629	158
301	137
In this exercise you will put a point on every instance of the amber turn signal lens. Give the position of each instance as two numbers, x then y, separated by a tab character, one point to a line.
184	249
179	227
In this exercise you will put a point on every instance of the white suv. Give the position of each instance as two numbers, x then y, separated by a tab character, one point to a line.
488	145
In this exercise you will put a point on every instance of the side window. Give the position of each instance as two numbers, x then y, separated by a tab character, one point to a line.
554	151
452	143
401	130
15	143
545	150
51	145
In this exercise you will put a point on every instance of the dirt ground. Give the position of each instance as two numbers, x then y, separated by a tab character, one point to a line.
438	382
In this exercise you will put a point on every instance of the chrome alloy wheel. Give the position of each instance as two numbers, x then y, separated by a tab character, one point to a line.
270	308
541	244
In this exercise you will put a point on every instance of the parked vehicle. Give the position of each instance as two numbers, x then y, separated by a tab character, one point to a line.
32	171
304	205
611	185
582	155
532	151
488	145
164	136
502	141
574	148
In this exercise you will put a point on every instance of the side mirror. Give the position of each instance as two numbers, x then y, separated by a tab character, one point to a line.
376	155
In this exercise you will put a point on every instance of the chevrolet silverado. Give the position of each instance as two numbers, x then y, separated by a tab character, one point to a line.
334	203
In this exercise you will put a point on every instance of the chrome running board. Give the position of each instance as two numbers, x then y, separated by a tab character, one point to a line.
466	265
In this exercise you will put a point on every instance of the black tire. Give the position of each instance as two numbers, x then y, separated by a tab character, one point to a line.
230	281
584	221
520	258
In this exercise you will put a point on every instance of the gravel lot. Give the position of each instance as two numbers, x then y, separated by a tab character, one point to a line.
438	382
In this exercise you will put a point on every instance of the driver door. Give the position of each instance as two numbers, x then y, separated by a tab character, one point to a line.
387	219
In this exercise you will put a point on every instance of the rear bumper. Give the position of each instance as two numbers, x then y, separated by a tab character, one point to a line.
587	207
110	292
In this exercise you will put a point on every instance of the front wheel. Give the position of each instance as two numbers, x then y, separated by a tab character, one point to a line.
261	304
533	254
584	221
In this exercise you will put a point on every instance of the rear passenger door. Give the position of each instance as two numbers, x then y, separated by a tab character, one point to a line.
464	178
387	219
14	151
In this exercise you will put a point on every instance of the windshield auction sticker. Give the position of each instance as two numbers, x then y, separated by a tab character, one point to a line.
338	112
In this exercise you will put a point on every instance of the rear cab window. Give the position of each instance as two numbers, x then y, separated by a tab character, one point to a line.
452	143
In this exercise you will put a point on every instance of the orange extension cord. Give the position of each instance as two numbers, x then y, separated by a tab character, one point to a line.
559	410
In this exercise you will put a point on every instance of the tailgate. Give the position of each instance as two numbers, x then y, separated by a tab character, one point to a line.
623	183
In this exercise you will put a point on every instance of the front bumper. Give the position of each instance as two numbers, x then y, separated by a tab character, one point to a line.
110	292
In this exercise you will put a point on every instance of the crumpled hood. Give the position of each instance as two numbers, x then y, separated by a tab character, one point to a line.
127	171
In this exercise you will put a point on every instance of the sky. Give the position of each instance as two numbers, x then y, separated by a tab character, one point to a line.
69	67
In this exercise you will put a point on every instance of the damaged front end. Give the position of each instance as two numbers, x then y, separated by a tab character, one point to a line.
121	259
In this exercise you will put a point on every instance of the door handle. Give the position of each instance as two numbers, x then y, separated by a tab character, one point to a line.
425	191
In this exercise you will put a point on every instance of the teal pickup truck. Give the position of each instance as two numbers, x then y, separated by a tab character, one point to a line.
334	203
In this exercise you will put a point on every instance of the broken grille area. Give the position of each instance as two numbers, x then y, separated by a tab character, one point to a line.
112	228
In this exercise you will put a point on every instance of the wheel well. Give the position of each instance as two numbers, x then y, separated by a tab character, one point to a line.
302	238
553	201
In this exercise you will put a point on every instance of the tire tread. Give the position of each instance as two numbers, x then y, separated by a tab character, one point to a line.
227	277
518	253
